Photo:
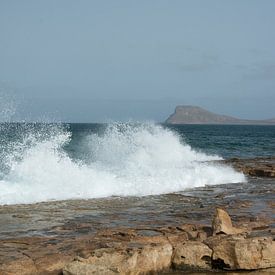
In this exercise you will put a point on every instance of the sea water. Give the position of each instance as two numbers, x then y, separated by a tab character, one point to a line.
44	162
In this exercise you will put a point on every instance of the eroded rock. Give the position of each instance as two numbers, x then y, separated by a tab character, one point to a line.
255	167
143	250
148	259
222	223
192	255
236	252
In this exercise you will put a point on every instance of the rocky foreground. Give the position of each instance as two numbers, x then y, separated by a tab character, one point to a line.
184	233
145	250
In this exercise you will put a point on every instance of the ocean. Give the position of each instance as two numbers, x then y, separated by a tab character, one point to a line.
42	162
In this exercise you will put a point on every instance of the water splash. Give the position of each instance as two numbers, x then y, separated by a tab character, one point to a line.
126	160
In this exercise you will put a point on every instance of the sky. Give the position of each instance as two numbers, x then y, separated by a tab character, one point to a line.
97	61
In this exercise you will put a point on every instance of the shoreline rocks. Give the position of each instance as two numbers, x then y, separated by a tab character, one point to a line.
139	236
192	247
254	167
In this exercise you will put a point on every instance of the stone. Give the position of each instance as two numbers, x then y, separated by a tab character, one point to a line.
222	223
192	255
235	252
255	167
52	263
22	266
151	258
81	268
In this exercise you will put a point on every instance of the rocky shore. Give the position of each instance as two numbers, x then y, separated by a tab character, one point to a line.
221	246
169	234
256	167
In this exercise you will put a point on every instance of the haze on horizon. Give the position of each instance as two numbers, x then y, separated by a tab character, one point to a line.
94	61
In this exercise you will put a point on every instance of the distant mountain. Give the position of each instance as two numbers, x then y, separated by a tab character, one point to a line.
197	115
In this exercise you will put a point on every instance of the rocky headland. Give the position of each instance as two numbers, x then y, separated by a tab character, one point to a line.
210	229
196	115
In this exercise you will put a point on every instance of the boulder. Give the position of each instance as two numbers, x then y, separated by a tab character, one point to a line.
151	258
235	252
192	255
222	223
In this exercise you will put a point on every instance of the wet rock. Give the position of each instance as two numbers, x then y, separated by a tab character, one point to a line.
234	252
256	167
222	223
192	255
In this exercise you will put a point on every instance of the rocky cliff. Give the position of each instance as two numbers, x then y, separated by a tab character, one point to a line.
197	115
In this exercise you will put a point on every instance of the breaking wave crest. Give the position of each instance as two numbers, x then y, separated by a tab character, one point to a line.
124	160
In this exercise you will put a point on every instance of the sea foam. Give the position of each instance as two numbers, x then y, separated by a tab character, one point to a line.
126	160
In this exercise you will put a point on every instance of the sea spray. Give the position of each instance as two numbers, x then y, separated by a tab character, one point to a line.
124	160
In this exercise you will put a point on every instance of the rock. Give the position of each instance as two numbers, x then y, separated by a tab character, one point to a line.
81	268
144	249
255	167
235	252
192	255
222	223
22	266
148	259
52	263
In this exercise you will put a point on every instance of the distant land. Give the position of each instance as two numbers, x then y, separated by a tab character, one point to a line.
196	115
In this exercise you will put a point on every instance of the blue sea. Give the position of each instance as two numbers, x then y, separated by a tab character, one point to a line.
45	162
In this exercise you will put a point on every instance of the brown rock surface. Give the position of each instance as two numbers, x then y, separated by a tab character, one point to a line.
192	255
255	167
237	252
222	223
137	251
140	261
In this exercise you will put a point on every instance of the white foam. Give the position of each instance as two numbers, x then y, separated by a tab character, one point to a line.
126	160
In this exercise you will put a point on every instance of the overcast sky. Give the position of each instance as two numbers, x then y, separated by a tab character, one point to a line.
117	60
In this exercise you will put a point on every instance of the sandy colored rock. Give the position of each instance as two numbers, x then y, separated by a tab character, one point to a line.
192	255
148	259
222	223
23	266
239	252
52	263
81	268
78	247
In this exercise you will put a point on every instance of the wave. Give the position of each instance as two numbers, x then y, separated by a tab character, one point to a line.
125	160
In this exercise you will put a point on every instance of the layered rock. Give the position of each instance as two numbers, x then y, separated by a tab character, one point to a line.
189	247
256	167
241	252
141	261
144	250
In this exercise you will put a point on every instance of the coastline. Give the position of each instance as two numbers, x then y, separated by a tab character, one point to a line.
75	237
